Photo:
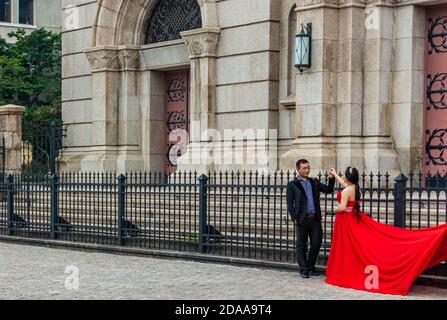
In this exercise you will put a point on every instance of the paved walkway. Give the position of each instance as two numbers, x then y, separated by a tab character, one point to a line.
32	272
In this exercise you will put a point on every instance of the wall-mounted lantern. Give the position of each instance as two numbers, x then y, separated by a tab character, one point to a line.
303	46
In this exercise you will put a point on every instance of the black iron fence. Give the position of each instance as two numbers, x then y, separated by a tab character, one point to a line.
41	147
2	158
241	214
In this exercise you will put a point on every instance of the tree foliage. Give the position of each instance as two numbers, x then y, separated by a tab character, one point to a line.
30	73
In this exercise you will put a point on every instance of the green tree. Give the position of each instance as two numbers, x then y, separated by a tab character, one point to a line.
30	76
30	68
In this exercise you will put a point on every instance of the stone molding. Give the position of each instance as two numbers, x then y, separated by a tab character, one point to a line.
303	5
11	109
112	58
307	3
103	58
129	58
202	42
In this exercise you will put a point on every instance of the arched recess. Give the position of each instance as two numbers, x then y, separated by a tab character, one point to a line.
123	22
118	33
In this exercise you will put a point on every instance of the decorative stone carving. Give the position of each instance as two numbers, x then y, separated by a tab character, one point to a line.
307	3
129	58
170	17
113	58
383	2
202	42
103	58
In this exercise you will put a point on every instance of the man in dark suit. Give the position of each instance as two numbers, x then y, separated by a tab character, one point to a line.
303	205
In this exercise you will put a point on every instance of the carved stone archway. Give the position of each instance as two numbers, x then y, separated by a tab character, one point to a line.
115	22
115	58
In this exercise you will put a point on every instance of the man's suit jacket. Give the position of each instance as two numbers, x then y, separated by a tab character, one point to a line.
297	199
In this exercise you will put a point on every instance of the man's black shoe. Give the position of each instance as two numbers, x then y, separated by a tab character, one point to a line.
304	275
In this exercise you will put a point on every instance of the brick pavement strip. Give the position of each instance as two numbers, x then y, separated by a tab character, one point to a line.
33	272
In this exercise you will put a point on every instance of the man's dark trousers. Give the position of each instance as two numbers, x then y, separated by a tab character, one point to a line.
310	228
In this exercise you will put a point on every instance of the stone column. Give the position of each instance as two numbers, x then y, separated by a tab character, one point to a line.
153	119
105	82
316	90
129	119
407	114
11	128
351	42
202	45
379	154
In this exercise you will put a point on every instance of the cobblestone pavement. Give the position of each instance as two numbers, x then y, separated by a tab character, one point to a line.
32	272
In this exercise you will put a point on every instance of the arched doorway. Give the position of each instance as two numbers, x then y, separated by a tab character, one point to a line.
129	81
165	23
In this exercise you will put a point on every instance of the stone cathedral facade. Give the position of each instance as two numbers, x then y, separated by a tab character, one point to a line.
373	97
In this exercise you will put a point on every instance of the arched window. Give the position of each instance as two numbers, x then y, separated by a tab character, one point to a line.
170	17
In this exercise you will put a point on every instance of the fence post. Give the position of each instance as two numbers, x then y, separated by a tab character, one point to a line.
3	159
400	190
203	179
10	202
52	148
54	202
121	207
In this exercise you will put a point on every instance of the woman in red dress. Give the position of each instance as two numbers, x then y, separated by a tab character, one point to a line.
376	257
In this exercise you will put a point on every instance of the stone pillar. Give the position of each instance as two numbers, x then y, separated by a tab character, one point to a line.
350	84
407	96
11	128
105	82
316	90
379	154
153	115
202	45
129	119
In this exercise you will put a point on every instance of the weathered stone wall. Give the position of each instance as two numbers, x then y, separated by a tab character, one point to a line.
361	102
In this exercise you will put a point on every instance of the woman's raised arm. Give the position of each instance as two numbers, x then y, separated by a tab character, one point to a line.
338	178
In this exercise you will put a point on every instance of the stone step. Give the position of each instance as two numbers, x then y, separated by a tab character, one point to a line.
178	223
229	213
224	216
180	192
176	208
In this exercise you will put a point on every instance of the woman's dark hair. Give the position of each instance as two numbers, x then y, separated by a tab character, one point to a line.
352	175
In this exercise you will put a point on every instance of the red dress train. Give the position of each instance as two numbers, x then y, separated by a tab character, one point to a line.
375	257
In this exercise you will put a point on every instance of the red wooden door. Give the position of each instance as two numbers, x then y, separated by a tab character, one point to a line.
177	116
435	120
